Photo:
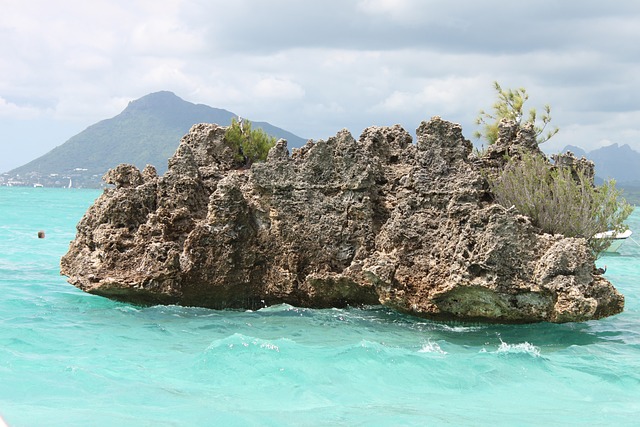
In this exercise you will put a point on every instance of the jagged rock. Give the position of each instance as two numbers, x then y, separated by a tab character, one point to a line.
584	166
338	222
124	176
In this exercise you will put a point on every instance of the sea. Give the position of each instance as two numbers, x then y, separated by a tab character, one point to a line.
68	358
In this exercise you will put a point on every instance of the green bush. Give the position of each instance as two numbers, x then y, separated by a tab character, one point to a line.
561	200
510	105
250	145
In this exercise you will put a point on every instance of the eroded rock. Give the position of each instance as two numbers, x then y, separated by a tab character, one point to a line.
338	222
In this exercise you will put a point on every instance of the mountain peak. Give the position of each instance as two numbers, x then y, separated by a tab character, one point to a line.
613	146
156	99
579	152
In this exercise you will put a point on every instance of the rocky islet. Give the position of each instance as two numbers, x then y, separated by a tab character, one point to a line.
378	220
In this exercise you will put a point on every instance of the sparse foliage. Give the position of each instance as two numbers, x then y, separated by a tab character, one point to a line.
559	201
510	105
250	145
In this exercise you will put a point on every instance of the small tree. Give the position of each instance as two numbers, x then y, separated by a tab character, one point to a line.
561	200
249	145
509	105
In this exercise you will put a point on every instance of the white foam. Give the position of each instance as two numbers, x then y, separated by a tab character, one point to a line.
431	347
520	348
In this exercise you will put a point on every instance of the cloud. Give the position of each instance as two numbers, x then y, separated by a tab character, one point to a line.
316	67
396	9
12	110
447	94
277	88
87	61
165	37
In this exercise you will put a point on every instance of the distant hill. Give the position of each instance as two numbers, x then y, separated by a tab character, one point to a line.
146	132
621	163
618	162
579	152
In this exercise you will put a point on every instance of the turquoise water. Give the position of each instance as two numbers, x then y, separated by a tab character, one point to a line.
72	359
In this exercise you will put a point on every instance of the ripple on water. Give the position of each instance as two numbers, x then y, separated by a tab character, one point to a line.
67	357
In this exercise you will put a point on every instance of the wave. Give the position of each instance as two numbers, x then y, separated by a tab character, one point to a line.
520	348
431	347
238	340
237	346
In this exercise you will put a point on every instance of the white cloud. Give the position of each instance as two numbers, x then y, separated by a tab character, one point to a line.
12	110
84	62
445	95
164	37
278	88
164	73
316	67
393	8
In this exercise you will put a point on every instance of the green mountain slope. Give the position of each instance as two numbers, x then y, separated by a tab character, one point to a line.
146	132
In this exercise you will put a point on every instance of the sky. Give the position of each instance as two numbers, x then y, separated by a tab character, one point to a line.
316	67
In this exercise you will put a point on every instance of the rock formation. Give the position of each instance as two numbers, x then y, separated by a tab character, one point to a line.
380	220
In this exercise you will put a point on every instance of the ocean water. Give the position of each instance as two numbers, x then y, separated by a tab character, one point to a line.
72	359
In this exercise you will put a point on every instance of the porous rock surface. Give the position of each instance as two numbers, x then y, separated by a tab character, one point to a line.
379	220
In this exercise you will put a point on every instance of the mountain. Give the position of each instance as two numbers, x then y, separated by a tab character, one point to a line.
146	132
621	163
618	162
579	152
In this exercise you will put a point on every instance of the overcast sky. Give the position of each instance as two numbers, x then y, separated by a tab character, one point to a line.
315	67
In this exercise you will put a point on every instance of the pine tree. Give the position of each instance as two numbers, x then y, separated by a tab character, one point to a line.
509	105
